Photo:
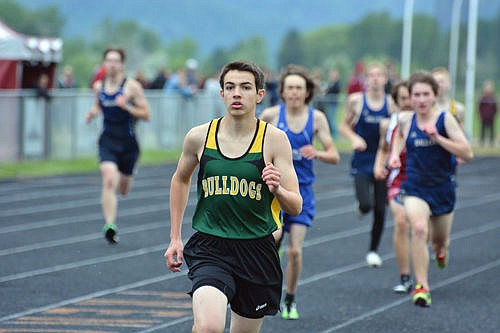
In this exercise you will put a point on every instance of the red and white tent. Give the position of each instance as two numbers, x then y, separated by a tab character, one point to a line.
23	58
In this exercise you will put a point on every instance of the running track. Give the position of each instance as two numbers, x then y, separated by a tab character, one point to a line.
58	275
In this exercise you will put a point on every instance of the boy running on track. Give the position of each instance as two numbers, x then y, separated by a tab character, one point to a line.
245	177
121	101
360	126
395	177
430	137
302	124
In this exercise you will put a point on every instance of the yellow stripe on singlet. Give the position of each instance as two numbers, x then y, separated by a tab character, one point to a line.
256	146
276	211
259	138
453	109
211	138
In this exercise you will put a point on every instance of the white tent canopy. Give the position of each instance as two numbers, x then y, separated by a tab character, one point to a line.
24	58
16	46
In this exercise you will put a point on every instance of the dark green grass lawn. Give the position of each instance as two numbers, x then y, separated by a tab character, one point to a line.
26	169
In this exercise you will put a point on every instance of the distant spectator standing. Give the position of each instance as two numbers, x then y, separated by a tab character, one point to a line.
67	80
392	77
141	78
184	80
99	74
192	78
160	79
318	101
212	89
487	111
272	88
43	98
42	87
331	98
357	80
212	85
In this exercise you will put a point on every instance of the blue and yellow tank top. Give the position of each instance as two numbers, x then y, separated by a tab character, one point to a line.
117	122
233	200
303	166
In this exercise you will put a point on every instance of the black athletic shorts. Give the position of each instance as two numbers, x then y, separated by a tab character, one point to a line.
122	151
247	271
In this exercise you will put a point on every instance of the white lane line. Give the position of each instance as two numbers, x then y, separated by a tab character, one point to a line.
86	218
166	325
81	263
36	189
41	183
359	265
74	190
72	204
123	231
312	279
455	236
78	239
97	294
159	224
456	278
125	212
141	191
314	241
128	212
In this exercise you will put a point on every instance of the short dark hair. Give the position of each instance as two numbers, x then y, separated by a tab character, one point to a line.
119	50
423	77
300	71
395	89
244	66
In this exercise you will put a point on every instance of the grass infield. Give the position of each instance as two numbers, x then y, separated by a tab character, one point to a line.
26	169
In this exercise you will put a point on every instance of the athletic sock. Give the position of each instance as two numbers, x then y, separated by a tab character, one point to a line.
289	298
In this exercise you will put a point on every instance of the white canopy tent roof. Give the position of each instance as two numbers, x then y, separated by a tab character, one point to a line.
16	46
24	58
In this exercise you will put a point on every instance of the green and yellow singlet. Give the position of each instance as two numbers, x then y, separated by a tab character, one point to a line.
233	200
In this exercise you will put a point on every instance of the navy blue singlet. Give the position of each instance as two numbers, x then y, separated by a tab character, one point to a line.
368	128
117	122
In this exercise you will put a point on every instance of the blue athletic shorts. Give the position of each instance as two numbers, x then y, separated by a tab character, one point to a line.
123	152
441	199
308	207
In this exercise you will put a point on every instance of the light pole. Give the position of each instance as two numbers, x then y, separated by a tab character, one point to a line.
454	37
406	43
471	66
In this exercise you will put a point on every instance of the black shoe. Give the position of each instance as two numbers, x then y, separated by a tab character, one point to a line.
111	233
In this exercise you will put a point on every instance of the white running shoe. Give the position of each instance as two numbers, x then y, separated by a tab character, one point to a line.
403	287
373	259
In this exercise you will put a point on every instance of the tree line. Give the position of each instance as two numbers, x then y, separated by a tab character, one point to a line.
376	36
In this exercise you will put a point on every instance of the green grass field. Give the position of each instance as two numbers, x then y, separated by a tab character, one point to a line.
26	169
81	165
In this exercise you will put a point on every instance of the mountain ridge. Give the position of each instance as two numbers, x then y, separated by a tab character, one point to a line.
220	24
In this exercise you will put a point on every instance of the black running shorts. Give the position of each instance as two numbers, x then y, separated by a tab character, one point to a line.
247	271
